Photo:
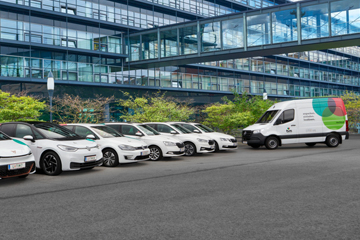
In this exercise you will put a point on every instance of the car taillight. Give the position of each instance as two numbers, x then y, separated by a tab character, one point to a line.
347	125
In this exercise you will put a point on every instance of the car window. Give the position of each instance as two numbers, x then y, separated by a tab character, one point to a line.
83	131
23	130
181	128
115	127
164	128
3	137
286	116
8	129
204	128
148	130
129	130
189	127
268	116
154	126
54	131
106	132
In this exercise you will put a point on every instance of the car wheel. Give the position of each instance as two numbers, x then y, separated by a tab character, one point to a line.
216	147
51	164
155	153
190	149
23	176
254	146
272	143
111	159
310	144
332	140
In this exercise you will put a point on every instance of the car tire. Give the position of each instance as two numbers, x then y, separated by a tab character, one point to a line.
254	146
272	143
155	153
23	176
332	140
51	164
190	149
217	149
310	144
111	158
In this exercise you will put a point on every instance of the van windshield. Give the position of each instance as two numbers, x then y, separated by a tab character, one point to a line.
268	116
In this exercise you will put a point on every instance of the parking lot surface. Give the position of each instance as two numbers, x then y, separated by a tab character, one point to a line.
294	192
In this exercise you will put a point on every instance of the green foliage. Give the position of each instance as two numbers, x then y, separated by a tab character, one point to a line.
17	108
352	105
154	108
240	112
73	109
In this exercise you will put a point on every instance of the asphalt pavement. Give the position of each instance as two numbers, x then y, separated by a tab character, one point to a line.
294	192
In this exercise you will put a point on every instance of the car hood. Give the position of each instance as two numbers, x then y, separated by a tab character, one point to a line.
218	134
160	138
256	126
126	140
79	143
13	148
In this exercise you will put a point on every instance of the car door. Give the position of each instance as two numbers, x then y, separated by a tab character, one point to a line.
286	127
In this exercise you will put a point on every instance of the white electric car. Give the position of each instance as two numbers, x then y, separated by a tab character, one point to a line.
160	146
16	158
115	147
194	142
55	148
222	141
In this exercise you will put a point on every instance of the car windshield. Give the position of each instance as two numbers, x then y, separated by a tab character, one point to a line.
3	136
189	127
181	129
54	131
268	116
204	128
148	130
106	132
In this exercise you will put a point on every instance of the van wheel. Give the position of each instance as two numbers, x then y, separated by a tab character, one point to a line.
332	140
272	143
310	144
254	146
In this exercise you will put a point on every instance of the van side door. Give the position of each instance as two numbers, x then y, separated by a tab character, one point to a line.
286	126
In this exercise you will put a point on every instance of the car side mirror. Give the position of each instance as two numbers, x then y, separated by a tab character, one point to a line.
90	136
196	131
138	134
29	138
173	132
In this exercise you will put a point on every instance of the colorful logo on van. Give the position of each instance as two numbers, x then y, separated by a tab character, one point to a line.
332	111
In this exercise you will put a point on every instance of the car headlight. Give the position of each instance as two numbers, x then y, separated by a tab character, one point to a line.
202	140
223	139
258	131
169	143
67	148
126	147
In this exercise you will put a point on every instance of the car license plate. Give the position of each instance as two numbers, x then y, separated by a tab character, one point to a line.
90	158
244	142
182	149
16	166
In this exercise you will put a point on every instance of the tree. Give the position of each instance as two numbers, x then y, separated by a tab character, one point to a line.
154	108
17	108
240	112
352	105
73	109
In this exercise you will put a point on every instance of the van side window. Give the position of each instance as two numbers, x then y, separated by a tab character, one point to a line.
286	116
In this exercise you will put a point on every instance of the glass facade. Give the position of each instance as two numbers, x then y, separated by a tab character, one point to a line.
90	42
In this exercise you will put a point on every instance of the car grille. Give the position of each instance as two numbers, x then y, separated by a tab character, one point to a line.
246	135
141	148
211	142
4	172
180	145
142	157
234	140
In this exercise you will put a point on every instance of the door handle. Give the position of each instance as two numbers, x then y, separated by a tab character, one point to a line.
293	125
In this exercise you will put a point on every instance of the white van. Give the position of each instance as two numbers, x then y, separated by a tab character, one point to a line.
309	121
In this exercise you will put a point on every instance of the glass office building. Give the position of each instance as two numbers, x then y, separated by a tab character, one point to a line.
89	45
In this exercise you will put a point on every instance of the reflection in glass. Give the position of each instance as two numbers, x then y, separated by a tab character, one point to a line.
210	37
284	26
314	21
232	32
345	17
258	29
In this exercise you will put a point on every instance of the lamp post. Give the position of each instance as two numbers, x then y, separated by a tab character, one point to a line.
50	88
